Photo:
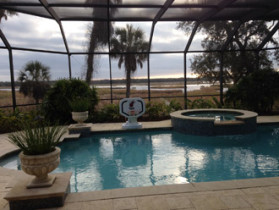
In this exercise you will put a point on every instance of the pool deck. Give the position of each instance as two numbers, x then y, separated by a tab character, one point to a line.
262	193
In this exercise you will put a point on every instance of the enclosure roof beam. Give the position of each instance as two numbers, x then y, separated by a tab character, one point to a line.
191	37
269	36
151	52
248	17
55	16
231	35
130	5
5	41
157	17
67	10
237	26
42	51
209	14
213	12
25	12
108	25
162	10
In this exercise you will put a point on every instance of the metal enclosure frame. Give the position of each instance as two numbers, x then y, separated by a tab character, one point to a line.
199	11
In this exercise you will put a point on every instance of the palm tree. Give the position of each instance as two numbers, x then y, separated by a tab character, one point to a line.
5	13
129	40
98	35
34	80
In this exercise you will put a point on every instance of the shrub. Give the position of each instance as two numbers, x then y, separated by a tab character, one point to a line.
154	111
80	104
11	121
256	91
174	106
56	104
217	102
157	110
109	113
200	104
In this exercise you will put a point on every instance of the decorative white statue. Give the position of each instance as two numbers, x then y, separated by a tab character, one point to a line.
132	108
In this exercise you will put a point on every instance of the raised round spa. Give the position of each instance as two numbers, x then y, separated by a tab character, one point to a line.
214	121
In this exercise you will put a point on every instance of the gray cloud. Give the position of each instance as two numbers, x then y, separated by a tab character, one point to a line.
22	33
26	31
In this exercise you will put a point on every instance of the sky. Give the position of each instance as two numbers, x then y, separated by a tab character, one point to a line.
28	31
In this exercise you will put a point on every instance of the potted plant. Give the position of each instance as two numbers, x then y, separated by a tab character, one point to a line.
39	152
80	108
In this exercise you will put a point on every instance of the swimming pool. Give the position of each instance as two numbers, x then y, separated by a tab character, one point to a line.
120	160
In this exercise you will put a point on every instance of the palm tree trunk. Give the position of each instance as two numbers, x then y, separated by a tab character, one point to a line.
89	71
128	82
90	57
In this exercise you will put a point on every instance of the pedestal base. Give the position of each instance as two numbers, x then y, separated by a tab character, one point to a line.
83	129
21	198
129	125
37	184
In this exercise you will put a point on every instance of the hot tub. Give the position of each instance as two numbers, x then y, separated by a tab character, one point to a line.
214	121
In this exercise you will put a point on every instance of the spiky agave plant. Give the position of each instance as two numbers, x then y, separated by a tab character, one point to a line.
37	140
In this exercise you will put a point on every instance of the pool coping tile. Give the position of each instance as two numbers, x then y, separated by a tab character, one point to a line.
124	203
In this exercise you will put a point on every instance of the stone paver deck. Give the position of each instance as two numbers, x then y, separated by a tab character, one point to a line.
247	194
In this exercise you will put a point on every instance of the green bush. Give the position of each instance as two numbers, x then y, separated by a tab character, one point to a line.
157	110
80	104
154	111
56	104
256	92
200	104
11	121
109	113
217	102
174	106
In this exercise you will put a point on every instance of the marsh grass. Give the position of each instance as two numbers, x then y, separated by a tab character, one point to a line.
205	92
104	93
6	98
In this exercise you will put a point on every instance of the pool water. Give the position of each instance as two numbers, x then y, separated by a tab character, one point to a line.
223	116
131	159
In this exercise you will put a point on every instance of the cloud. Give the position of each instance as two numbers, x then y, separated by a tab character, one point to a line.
76	34
39	33
4	65
33	32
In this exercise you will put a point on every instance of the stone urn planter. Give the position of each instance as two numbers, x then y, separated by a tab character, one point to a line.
39	166
39	152
80	107
80	117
